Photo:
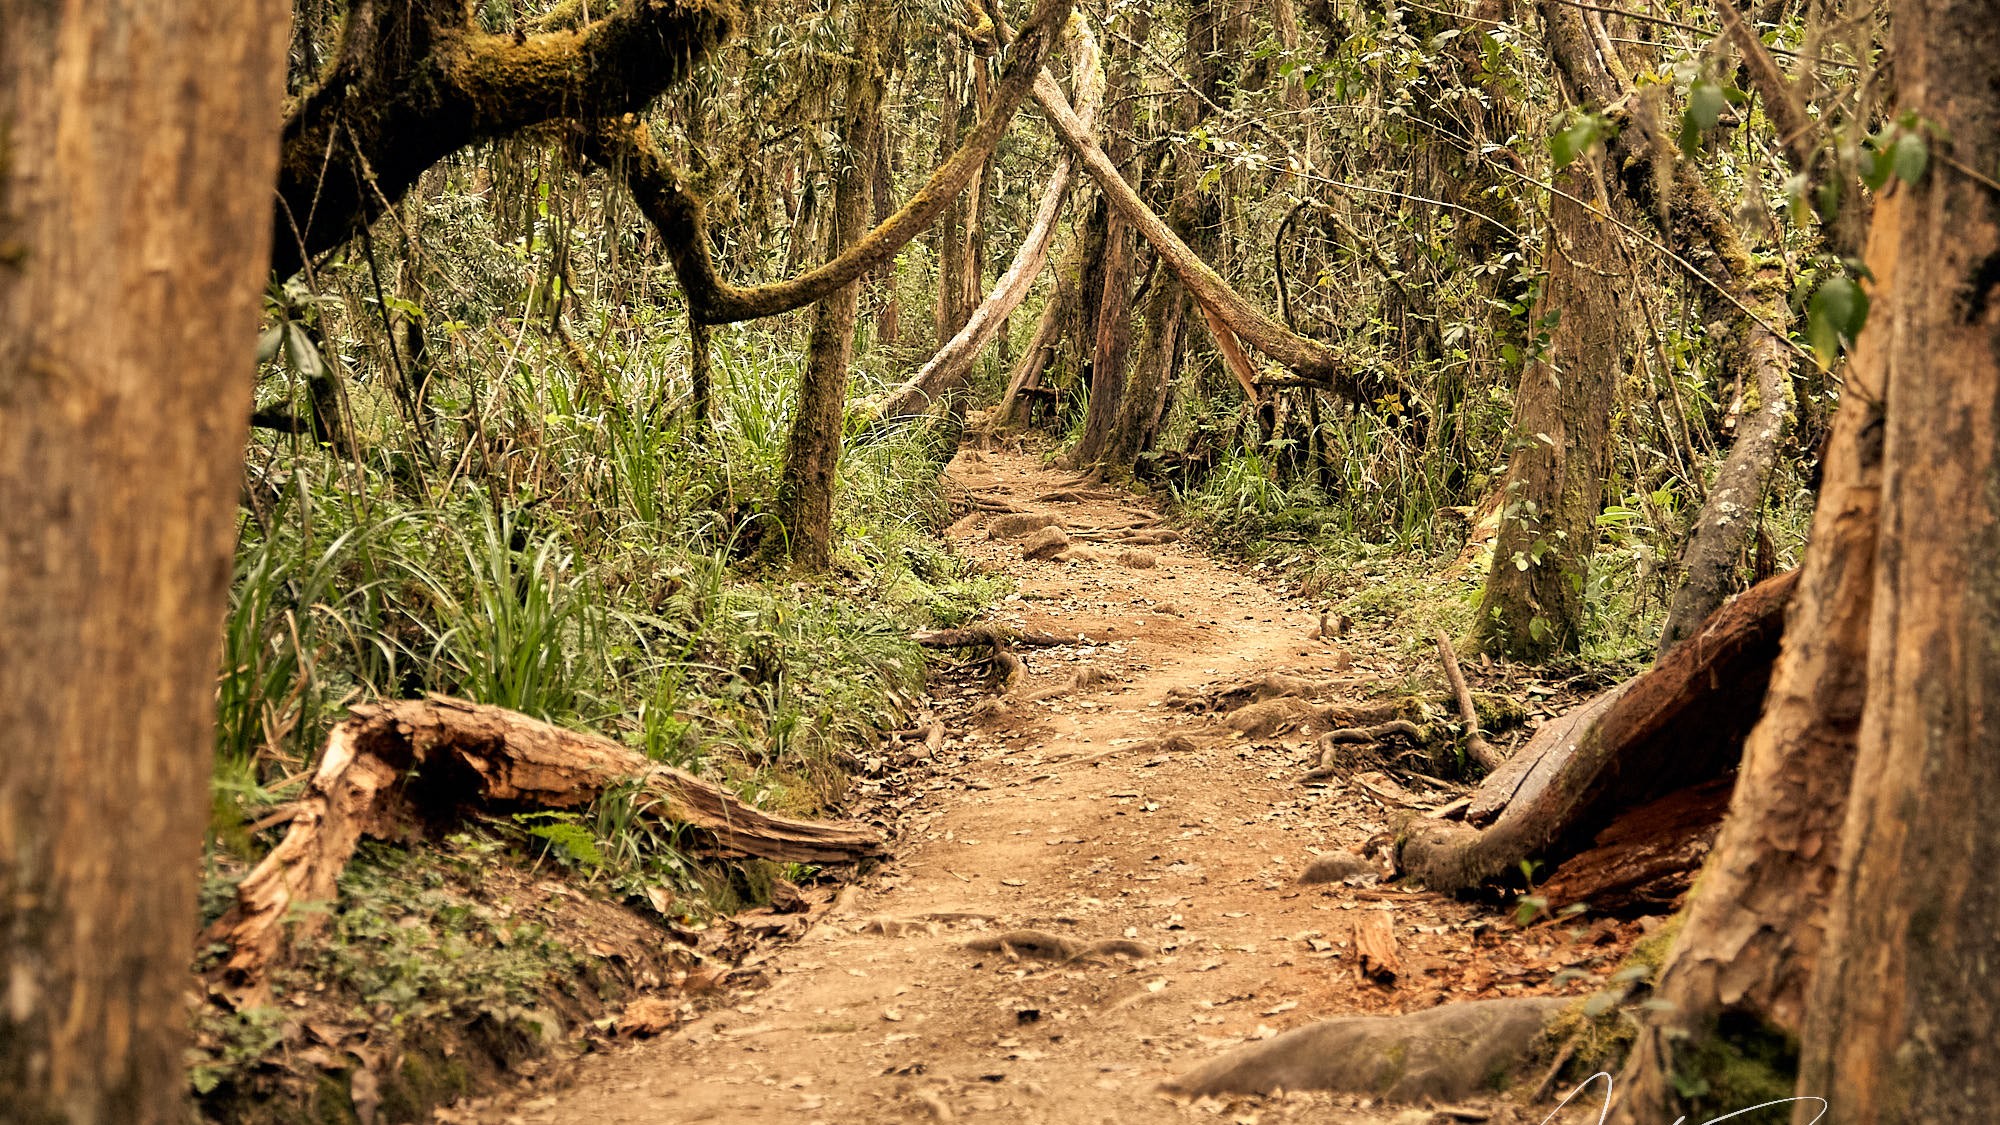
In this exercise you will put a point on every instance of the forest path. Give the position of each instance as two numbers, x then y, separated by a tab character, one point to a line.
1070	815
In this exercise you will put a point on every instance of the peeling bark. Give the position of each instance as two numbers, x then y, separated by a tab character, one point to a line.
398	768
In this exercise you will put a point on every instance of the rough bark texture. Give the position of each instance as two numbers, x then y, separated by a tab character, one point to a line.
1532	606
1680	724
399	769
680	216
416	80
1111	345
1752	936
1729	516
1900	1023
137	154
1310	360
812	450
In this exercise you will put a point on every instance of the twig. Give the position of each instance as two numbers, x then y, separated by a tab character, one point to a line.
1476	745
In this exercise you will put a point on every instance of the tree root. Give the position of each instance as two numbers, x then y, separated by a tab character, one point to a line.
1440	1054
1331	743
1045	946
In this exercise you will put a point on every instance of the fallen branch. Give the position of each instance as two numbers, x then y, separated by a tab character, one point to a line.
1476	745
397	769
986	636
1680	724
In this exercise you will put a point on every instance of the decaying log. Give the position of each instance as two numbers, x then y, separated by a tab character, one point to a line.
1476	746
1647	858
396	769
1677	725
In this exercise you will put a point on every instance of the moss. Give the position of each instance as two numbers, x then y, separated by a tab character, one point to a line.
1397	1060
1743	1061
425	1080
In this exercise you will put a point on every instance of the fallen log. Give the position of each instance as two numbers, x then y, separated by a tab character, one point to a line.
399	769
1678	725
987	636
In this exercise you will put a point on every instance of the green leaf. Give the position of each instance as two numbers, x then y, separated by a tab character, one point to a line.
1910	156
1835	316
1875	171
1574	141
1705	103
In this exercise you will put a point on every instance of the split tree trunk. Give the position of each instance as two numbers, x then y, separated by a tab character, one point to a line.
1908	991
138	149
1111	344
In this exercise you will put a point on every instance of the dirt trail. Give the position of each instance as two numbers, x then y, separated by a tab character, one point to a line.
1074	816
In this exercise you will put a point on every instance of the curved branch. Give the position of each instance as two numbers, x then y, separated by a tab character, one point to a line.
1310	360
948	369
415	81
679	215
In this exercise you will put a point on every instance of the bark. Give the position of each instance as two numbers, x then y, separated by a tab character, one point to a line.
1041	352
1677	725
812	450
1729	517
1532	605
1111	343
1310	360
410	767
1700	230
1902	1009
954	228
136	159
679	215
416	80
951	366
1752	936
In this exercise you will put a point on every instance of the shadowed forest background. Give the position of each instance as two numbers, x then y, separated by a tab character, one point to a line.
609	357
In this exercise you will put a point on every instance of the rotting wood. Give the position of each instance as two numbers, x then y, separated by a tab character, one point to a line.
1476	746
1679	724
397	769
1375	956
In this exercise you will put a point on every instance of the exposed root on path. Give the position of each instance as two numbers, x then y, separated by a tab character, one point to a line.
1440	1054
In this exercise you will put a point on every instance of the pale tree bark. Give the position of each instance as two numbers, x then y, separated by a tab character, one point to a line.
138	149
951	366
812	451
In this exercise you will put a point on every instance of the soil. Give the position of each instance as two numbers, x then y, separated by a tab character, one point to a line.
1104	815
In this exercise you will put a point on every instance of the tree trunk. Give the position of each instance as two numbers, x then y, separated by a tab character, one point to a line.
1532	607
812	452
1744	958
138	149
1903	1010
1111	344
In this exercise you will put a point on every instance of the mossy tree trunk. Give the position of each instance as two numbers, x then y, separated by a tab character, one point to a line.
812	452
1532	606
414	81
138	149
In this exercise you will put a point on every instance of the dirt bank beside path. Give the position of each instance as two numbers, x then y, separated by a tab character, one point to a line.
1109	817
